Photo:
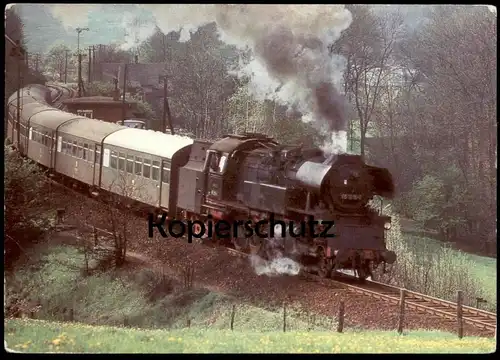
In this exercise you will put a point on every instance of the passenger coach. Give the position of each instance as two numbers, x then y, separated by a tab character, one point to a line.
144	165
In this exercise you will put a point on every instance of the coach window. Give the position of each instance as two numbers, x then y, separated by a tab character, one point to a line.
130	164
155	173
114	161
121	162
146	169
166	175
138	165
97	154
85	151
67	148
90	156
80	150
74	150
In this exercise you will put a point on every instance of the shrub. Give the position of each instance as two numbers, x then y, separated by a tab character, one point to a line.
433	270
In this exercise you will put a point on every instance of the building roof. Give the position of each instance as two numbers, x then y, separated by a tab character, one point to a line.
97	99
137	74
148	141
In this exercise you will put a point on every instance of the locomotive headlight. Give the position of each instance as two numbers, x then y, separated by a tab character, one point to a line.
387	226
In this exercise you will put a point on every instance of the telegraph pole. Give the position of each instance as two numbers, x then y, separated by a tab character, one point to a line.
94	62
37	59
80	81
124	90
66	67
166	108
90	67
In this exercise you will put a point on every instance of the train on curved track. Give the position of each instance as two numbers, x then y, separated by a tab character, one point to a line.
239	177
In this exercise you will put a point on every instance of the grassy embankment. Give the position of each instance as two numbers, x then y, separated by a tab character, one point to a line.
43	336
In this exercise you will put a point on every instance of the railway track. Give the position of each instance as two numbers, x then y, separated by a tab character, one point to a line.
63	93
481	319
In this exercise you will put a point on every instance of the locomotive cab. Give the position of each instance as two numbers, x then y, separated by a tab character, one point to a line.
222	164
215	168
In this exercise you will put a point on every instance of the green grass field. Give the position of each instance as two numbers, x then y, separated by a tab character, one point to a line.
43	336
483	270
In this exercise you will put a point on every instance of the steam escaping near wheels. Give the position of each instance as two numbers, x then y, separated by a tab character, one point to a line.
274	267
277	264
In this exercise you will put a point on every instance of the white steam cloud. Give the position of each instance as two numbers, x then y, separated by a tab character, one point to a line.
73	15
137	30
277	263
275	267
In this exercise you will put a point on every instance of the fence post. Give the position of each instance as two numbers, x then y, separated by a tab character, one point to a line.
340	325
459	314
94	232
284	316
188	322
60	216
401	310
233	312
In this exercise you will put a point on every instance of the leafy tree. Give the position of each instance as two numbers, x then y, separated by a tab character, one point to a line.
14	30
55	60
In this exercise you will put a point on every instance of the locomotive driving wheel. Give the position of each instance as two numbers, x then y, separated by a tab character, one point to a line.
324	264
364	271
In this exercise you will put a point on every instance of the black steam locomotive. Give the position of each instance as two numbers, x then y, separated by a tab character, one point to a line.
252	176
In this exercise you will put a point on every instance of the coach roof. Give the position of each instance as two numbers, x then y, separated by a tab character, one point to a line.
90	129
148	141
44	115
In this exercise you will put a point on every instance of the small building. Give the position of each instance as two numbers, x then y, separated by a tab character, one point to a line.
101	107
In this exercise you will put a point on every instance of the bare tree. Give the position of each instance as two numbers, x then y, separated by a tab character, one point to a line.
126	192
368	46
55	60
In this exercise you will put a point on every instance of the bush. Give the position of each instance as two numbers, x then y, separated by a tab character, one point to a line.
433	270
26	201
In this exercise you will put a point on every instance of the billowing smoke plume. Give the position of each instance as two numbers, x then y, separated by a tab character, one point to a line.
291	61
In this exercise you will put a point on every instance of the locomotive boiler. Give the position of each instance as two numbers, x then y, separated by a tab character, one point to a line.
251	176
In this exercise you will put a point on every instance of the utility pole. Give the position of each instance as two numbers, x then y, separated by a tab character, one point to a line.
37	59
94	62
66	67
80	81
90	67
166	108
124	90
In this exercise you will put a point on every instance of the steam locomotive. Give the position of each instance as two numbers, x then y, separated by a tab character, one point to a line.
239	177
252	176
